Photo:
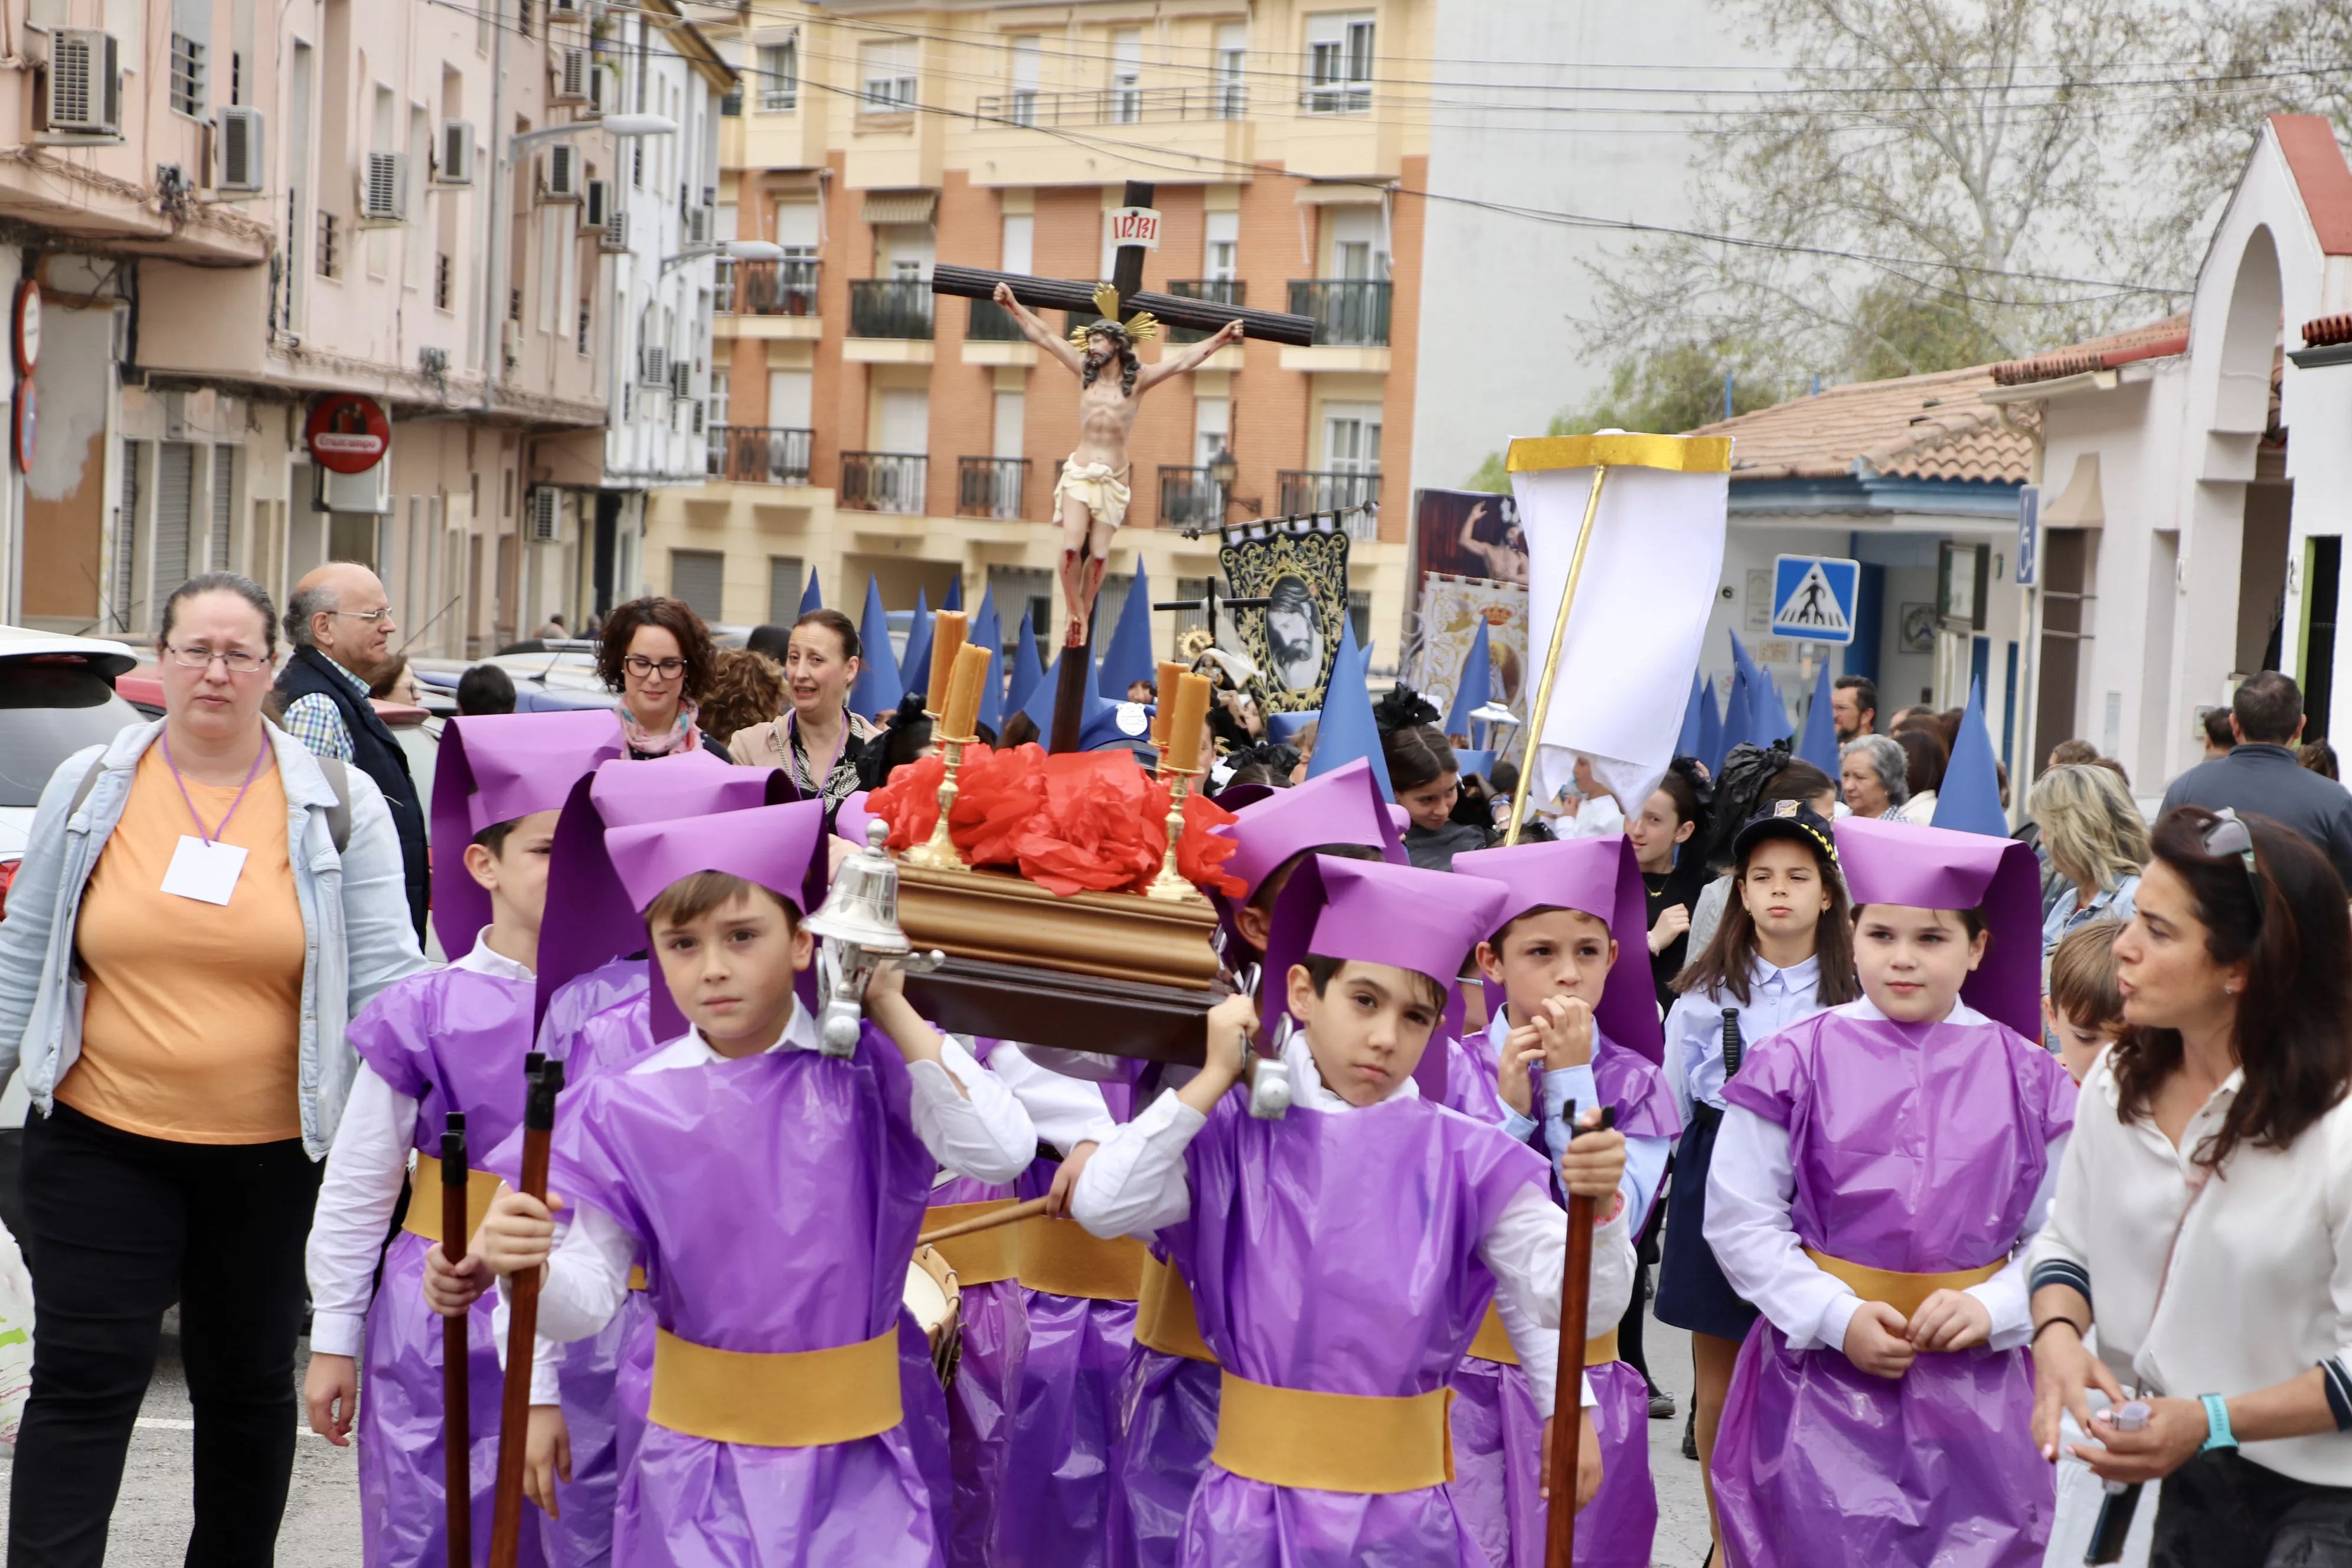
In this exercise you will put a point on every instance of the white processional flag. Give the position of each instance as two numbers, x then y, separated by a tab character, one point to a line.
1650	575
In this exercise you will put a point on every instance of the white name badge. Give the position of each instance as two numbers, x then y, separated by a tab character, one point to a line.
206	872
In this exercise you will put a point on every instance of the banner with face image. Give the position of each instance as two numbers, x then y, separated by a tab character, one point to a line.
1300	565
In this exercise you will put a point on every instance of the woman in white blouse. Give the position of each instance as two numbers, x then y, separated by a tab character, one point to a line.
2225	1304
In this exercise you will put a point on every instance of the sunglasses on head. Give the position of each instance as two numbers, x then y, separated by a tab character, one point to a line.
2229	835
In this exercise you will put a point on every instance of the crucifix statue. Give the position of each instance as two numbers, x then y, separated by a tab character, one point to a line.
1086	505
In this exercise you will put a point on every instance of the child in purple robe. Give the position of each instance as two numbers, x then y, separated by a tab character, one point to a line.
1168	1396
448	1040
1580	1007
1782	953
1342	1255
772	1195
1880	1171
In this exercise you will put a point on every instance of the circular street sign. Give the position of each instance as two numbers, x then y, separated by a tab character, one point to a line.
23	426
348	432
25	326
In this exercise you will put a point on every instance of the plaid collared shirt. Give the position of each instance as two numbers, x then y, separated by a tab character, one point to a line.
315	720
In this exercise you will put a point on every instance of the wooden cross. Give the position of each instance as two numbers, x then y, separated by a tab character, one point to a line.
1208	603
1058	294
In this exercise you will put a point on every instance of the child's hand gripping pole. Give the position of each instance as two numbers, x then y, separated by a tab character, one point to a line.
457	1413
1575	1308
522	1322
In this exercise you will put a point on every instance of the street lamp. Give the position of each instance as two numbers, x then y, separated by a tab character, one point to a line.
732	250
1223	471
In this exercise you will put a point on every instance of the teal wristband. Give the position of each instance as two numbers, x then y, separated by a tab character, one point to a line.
2217	1424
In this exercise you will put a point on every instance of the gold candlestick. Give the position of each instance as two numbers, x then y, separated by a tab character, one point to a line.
1170	885
938	853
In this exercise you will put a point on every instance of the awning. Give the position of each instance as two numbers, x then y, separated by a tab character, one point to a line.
2081	506
899	206
1349	194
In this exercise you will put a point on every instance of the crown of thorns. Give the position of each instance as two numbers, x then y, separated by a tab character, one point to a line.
1140	328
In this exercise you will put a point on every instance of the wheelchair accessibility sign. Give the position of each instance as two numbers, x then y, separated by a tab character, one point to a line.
1813	597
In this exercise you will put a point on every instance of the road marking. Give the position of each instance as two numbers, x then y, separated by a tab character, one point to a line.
174	1423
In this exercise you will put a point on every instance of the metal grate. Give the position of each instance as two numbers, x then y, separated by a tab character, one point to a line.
224	487
187	75
330	259
786	578
883	482
126	536
699	578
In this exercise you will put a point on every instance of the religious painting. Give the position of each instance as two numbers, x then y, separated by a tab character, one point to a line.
1300	567
1469	534
1451	609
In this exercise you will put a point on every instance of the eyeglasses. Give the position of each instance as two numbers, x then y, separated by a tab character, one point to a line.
2229	836
639	665
236	660
370	616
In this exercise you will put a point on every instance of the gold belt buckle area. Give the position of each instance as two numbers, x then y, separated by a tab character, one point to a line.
1333	1442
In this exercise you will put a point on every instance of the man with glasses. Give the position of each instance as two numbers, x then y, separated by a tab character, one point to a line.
2261	775
340	623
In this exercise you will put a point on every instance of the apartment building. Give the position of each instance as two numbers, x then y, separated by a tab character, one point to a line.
238	207
864	426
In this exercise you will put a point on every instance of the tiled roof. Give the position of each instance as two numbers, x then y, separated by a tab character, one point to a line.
1913	426
2157	339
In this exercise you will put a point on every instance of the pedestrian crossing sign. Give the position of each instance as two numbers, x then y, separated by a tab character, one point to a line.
1813	597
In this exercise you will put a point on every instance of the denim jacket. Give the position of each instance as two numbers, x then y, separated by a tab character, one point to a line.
356	932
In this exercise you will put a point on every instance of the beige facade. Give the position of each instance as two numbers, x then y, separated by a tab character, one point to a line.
869	429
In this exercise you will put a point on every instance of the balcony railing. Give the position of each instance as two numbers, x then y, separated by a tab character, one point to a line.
891	308
1349	312
991	323
882	481
1306	490
757	454
991	487
1215	290
1188	498
1119	105
786	288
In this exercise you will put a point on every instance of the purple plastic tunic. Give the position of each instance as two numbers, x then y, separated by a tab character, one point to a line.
1168	1424
1064	1427
583	996
824	1182
452	1040
1338	1253
1917	1148
979	1403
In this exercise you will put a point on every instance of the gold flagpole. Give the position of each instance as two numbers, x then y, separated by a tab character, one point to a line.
1551	659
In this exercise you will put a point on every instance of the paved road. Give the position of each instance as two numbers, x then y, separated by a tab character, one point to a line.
323	1516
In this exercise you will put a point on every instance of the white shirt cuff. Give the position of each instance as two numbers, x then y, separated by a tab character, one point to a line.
337	1333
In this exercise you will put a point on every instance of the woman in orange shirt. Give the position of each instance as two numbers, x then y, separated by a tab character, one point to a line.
200	910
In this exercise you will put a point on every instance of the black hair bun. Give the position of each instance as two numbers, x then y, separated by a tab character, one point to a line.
1405	709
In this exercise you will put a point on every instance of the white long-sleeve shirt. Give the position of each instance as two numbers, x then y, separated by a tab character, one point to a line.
1776	999
1750	1187
2258	1290
365	1171
1066	1112
1645	1157
979	1130
1136	1184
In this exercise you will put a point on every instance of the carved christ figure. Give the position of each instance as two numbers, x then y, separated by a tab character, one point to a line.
1090	498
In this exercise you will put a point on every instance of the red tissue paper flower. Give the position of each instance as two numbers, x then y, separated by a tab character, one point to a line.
910	802
1093	835
996	794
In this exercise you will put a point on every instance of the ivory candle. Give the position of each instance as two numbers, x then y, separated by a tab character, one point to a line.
949	628
1184	724
963	695
1164	703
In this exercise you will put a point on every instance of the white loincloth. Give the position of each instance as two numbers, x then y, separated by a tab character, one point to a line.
1100	487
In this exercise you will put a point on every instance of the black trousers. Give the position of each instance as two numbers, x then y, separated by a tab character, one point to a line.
120	1227
2223	1511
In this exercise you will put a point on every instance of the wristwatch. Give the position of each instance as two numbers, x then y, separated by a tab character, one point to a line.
2217	1424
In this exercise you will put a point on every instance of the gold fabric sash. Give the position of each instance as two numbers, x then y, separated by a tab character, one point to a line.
423	1216
1163	1314
793	1399
1333	1442
1904	1292
1062	1258
636	1277
1493	1343
984	1256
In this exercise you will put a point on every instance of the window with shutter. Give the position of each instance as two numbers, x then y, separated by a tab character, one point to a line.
175	497
698	577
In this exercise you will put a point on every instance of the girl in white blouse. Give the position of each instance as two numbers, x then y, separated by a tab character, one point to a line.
2204	1210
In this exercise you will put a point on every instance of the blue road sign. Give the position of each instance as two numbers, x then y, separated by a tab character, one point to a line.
1813	597
2029	535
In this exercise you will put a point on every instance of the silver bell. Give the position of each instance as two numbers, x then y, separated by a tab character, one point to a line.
858	932
1269	1077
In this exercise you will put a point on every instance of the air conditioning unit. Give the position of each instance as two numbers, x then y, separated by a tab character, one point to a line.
456	163
614	240
573	69
681	380
545	524
562	173
85	96
383	194
241	144
652	366
596	206
697	225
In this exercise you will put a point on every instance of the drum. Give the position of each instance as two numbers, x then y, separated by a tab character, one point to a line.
936	1303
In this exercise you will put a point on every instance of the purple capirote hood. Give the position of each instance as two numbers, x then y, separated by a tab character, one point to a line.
1601	877
495	768
1937	868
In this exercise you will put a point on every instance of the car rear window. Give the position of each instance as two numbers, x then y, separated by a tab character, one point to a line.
48	712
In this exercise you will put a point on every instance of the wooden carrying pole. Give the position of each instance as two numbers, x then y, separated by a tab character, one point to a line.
1551	659
1013	1216
1567	1423
522	1323
457	1408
